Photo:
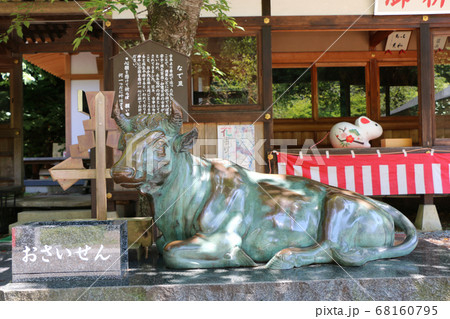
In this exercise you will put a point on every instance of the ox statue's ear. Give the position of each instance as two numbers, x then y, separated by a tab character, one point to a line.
185	142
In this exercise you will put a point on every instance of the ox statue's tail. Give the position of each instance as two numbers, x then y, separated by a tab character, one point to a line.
358	257
402	222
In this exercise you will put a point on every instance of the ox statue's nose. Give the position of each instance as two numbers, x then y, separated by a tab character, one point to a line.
122	174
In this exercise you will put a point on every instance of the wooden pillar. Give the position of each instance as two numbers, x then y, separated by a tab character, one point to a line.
16	86
426	85
266	56
266	10
315	93
427	217
387	100
108	85
428	199
374	89
344	98
100	155
108	51
68	102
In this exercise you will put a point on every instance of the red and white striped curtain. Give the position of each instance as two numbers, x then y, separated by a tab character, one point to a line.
378	174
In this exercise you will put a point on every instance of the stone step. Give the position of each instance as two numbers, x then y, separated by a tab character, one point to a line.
51	215
49	187
54	201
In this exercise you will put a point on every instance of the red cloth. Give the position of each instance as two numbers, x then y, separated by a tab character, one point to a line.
388	174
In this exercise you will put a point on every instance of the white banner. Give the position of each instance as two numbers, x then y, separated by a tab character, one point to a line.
399	7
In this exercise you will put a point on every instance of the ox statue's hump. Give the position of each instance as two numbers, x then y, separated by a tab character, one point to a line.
227	169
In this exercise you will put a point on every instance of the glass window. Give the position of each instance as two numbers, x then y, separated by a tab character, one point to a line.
229	75
291	93
5	113
398	91
442	88
342	91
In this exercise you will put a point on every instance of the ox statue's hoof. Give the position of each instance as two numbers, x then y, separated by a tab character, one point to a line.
280	261
238	258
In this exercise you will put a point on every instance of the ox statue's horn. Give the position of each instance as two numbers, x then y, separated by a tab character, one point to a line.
122	121
177	114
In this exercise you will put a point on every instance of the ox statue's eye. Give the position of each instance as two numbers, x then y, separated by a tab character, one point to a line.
160	144
160	148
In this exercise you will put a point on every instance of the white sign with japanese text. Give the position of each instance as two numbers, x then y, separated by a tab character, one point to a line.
398	41
148	77
439	42
236	143
403	7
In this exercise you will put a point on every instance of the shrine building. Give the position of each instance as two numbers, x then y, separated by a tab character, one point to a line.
295	69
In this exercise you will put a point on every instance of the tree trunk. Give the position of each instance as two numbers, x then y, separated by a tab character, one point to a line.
175	26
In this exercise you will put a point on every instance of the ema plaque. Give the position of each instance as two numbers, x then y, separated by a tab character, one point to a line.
148	77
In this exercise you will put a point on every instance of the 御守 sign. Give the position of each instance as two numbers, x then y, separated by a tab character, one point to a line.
400	7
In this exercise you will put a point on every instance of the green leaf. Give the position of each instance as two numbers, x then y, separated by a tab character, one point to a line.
19	31
76	43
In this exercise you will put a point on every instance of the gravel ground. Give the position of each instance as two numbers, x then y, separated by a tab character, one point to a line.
441	238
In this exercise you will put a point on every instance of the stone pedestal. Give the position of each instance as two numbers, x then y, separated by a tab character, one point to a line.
427	218
64	250
139	236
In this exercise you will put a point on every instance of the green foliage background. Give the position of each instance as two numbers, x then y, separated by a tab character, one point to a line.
4	98
44	110
442	81
291	91
44	113
233	72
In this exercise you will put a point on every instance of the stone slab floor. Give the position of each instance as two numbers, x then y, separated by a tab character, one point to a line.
422	275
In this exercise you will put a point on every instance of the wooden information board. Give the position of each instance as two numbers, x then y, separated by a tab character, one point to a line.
147	77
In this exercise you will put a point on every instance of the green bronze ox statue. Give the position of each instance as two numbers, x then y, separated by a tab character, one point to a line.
213	213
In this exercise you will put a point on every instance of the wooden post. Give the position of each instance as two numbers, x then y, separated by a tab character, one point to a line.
69	171
17	118
100	156
314	93
266	9
108	85
267	86
426	85
68	104
108	48
374	87
427	218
